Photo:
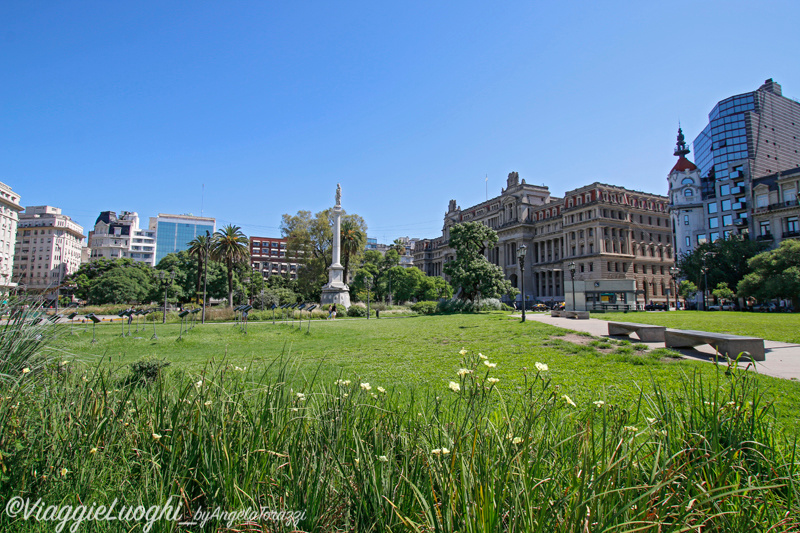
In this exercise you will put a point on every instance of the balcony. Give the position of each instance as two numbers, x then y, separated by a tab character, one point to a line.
790	234
737	190
738	206
764	237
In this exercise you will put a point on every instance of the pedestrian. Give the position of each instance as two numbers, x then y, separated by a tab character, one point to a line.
332	313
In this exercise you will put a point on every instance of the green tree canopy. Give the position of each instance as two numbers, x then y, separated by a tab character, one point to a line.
727	261
470	271
775	274
230	246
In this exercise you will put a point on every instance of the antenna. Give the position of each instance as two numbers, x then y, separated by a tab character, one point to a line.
202	199
487	187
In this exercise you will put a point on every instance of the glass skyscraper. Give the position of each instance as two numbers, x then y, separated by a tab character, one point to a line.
175	232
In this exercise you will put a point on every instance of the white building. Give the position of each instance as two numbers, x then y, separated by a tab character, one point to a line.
48	248
116	237
9	216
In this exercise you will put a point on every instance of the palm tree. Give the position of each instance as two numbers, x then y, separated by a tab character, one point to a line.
352	242
230	245
198	248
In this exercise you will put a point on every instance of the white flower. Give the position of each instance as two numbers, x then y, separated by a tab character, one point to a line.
26	370
300	396
381	390
383	459
463	351
156	436
463	372
239	369
490	365
445	451
517	440
569	400
64	472
64	363
541	367
199	384
366	386
492	380
599	403
482	356
633	429
93	451
455	387
651	420
207	403
343	382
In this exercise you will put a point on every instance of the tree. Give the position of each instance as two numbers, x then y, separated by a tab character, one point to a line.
723	293
198	248
353	241
470	271
127	273
230	246
727	262
687	290
775	274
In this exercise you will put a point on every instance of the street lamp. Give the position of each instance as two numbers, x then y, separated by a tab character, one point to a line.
162	275
571	267
673	272
368	285
521	256
705	279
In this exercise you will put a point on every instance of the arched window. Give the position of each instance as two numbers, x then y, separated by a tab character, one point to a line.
688	192
687	181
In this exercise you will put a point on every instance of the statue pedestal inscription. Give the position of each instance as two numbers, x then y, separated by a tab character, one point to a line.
336	291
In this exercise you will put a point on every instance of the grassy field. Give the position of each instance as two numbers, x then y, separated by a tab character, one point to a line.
415	351
784	327
393	425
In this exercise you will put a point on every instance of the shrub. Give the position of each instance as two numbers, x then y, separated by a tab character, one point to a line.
359	311
146	370
425	308
457	305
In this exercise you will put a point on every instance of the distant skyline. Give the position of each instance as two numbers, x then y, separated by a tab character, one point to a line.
268	105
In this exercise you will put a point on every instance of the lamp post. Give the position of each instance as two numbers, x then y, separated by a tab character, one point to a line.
571	267
368	285
705	279
673	272
521	256
167	282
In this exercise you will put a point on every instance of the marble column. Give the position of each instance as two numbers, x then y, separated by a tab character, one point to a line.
336	291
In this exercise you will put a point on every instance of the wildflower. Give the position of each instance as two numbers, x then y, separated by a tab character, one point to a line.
651	420
599	403
569	400
199	384
463	372
455	387
156	436
239	369
64	472
26	370
383	459
482	356
445	451
83	378
300	396
345	395
373	395
93	451
632	429
207	403
356	461
517	440
492	380
463	352
541	367
381	390
64	363
294	409
436	451
343	382
366	386
490	365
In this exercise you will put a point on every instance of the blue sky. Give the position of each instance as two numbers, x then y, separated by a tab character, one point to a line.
135	105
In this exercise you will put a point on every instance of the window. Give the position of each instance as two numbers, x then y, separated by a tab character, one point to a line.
686	220
789	195
792	225
688	193
724	190
701	239
714	236
687	181
726	205
713	223
712	208
688	242
762	200
763	227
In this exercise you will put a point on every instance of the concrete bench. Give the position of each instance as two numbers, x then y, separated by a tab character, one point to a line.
645	332
581	315
728	345
556	313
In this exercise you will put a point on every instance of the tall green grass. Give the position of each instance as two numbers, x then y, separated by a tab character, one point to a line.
354	457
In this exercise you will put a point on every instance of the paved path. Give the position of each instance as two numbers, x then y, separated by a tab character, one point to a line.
782	361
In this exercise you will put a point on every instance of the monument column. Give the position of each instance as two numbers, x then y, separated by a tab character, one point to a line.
336	291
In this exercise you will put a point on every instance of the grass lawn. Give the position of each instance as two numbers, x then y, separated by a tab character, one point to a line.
416	351
784	327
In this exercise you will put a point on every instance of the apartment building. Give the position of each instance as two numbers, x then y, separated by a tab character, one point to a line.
9	219
116	237
48	248
268	255
173	233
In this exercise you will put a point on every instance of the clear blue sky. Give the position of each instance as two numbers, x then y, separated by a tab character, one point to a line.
134	105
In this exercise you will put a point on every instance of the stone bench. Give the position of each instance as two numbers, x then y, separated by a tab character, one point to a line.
645	332
581	315
728	345
556	313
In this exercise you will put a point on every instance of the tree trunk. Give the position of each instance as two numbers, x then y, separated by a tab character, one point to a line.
230	283
199	278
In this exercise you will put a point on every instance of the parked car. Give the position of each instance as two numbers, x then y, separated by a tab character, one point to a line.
540	307
768	307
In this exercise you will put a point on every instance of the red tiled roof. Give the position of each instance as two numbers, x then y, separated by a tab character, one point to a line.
683	164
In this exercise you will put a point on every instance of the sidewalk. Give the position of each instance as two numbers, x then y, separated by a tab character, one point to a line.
782	359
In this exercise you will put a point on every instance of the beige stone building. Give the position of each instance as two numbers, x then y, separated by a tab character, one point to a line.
775	207
608	232
9	218
48	248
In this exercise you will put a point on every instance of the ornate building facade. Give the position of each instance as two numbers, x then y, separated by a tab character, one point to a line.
609	232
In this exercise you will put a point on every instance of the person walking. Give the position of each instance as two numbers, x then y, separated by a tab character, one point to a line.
332	314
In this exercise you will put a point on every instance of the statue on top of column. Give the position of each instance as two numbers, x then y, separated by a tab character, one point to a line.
338	194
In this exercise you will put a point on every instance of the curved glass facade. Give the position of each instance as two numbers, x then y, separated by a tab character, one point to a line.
724	140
